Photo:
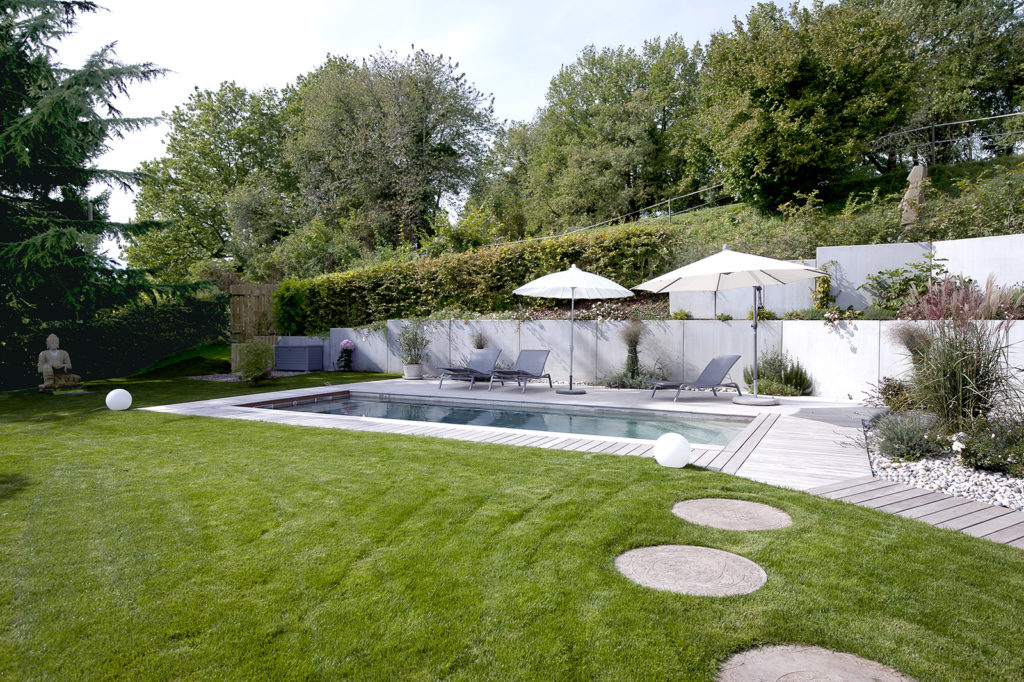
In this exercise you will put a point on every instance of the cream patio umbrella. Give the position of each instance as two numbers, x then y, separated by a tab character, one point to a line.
572	284
732	270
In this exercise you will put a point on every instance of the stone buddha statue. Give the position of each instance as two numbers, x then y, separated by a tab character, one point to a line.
55	366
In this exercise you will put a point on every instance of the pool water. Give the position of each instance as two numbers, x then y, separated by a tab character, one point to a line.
704	429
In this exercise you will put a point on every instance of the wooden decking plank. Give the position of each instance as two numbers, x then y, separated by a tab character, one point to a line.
908	493
1007	535
962	522
987	528
730	462
933	501
873	484
1018	543
875	493
839	485
935	518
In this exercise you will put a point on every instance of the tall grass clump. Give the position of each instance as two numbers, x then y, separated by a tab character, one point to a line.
960	362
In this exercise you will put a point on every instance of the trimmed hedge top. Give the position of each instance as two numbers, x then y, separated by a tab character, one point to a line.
481	280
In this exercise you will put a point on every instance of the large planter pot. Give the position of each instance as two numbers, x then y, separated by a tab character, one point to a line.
412	371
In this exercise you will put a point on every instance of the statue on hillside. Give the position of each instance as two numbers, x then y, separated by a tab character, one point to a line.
55	366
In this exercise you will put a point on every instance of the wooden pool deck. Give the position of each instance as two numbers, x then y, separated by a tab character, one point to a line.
805	444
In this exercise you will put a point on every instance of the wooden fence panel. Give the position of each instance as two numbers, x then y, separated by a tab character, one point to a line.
251	311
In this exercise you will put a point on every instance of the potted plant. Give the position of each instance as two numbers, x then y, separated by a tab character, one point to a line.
412	346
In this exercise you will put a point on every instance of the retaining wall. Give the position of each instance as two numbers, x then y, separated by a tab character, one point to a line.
845	359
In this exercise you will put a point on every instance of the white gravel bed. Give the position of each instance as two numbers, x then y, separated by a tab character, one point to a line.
946	475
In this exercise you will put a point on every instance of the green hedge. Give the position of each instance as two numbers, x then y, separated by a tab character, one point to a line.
120	342
481	280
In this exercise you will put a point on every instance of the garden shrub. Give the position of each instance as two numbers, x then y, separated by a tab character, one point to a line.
723	317
641	378
892	289
412	343
778	374
682	314
995	445
806	314
908	436
481	280
763	315
878	314
255	360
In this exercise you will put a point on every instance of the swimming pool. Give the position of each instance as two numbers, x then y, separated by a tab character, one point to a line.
591	421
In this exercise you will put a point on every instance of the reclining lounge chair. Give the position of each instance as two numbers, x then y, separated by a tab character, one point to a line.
479	367
712	377
529	365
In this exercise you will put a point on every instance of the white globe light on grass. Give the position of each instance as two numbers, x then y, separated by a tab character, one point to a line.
672	450
119	399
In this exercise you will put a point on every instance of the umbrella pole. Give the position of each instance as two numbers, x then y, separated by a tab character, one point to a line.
572	326
756	291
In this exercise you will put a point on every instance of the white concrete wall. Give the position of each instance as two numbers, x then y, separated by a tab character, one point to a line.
984	256
846	360
853	264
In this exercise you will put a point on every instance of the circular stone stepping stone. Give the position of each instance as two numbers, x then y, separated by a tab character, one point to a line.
794	663
700	571
731	514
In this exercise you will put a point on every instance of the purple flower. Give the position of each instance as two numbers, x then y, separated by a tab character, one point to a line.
347	345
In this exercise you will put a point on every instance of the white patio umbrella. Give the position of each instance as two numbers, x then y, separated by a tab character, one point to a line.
732	270
572	284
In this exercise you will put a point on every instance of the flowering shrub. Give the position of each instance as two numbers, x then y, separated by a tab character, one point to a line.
345	356
993	444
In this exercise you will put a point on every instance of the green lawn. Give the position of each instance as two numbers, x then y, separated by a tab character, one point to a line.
151	546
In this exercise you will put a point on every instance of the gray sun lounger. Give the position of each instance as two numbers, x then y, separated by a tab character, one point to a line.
529	365
712	377
478	368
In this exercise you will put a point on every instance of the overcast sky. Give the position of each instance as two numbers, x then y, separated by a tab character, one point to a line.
510	49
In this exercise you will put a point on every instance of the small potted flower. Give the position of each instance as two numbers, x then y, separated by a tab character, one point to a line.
412	346
345	356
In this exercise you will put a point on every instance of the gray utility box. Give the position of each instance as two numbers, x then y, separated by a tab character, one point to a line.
299	358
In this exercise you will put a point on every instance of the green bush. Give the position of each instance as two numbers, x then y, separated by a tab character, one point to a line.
118	342
682	314
995	445
481	280
778	374
255	360
723	317
908	436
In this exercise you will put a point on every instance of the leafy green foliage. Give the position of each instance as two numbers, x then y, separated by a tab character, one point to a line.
723	317
481	280
380	142
908	436
995	444
55	122
893	288
682	314
218	190
255	360
792	99
412	343
640	376
894	394
778	374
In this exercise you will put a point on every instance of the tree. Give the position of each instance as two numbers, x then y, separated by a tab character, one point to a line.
792	100
381	143
54	123
222	191
616	134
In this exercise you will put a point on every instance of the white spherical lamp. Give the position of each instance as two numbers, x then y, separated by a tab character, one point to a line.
119	399
672	450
